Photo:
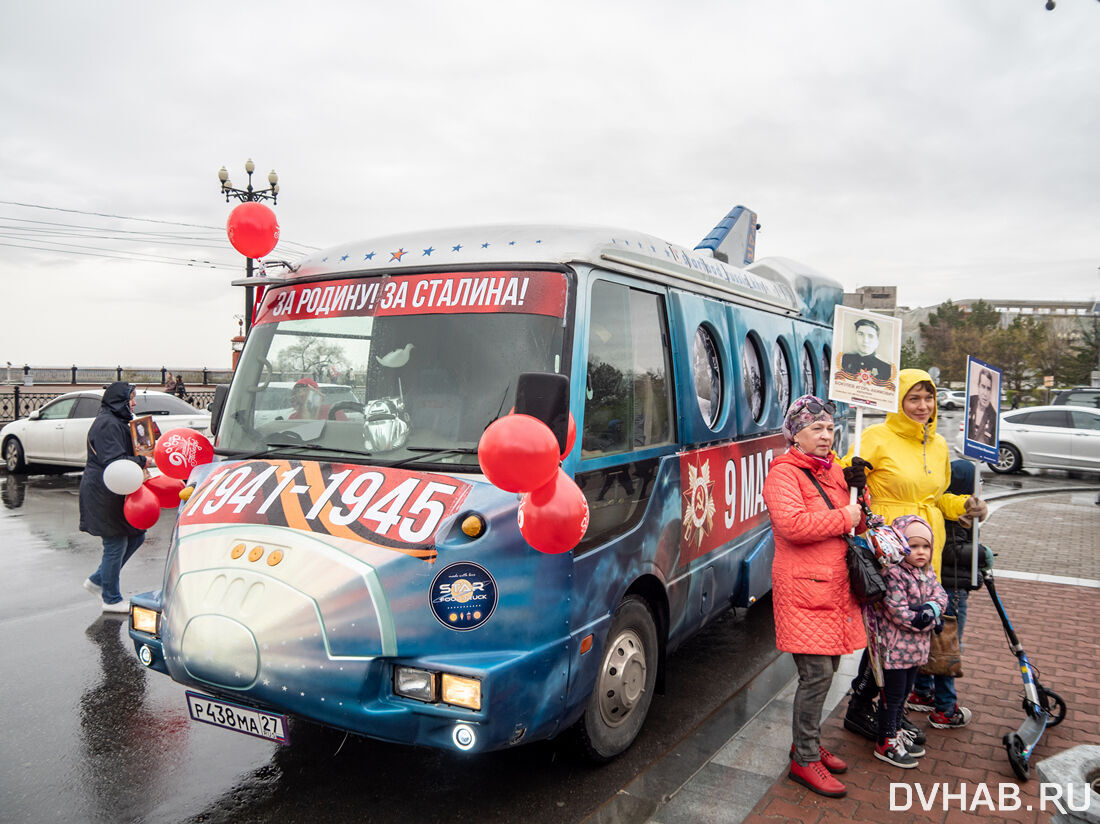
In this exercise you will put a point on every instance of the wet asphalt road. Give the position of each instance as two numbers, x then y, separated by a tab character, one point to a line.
89	735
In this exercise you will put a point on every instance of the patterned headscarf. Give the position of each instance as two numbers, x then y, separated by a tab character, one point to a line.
916	524
799	415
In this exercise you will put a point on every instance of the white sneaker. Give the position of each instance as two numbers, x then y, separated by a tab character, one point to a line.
92	588
122	606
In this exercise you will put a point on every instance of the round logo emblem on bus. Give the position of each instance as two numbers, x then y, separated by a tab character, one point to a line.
463	596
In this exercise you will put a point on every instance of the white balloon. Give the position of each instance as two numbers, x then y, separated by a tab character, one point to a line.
123	477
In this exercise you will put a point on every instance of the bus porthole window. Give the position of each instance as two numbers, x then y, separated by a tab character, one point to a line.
825	370
808	386
706	367
782	369
752	367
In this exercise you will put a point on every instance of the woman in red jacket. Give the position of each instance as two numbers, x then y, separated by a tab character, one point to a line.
816	618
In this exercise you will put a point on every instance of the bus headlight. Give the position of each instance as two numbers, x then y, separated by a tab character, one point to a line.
415	683
144	620
462	692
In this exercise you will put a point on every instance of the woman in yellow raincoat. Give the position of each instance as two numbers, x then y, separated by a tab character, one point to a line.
907	472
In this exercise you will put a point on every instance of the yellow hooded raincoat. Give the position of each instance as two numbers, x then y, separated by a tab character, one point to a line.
912	468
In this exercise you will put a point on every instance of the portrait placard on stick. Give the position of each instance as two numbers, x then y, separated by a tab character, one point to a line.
981	434
866	355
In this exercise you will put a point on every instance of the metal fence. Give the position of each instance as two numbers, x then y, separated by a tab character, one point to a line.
77	375
19	403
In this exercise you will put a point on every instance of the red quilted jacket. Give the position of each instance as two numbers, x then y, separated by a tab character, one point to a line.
814	609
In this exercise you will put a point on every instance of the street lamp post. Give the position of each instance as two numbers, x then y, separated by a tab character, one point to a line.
245	195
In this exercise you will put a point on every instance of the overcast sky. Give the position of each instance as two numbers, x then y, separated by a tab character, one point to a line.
945	146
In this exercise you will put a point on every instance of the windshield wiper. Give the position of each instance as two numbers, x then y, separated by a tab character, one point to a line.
270	446
431	452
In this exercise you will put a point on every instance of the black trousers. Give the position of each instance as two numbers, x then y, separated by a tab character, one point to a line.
864	688
897	684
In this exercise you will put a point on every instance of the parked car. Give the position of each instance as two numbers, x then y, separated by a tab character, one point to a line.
1079	396
56	436
950	399
1047	437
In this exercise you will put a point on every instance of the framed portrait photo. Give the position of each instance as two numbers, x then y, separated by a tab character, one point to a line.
981	439
141	433
866	352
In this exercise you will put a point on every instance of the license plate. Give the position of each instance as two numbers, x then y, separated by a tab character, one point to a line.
236	717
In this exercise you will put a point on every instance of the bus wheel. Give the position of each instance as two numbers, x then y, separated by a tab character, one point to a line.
624	686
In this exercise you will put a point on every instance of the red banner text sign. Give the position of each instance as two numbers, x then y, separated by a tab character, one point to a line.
722	490
391	508
533	293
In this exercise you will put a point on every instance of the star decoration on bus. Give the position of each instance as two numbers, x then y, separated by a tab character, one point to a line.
397	255
699	508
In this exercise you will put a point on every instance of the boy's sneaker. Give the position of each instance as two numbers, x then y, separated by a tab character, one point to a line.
122	606
914	749
915	732
817	778
952	719
893	752
92	588
920	703
862	720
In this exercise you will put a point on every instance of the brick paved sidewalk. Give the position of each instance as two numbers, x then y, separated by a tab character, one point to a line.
1057	625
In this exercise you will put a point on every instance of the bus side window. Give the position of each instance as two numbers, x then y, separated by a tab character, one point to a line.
628	405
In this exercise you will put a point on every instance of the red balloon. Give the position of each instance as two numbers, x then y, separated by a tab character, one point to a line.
570	436
554	517
167	490
252	229
178	451
141	508
518	453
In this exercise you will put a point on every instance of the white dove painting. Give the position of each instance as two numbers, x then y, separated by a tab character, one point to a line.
396	358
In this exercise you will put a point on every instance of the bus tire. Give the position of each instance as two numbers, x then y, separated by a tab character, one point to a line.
620	700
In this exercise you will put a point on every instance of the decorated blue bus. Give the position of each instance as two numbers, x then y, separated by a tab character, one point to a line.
347	561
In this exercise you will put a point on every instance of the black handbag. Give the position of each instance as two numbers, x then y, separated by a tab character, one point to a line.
864	573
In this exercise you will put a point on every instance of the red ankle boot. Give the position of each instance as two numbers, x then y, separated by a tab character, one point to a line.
817	778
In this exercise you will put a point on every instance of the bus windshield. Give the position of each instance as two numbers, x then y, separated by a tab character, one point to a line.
415	378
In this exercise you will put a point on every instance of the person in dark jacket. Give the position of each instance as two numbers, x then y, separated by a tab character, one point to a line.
935	694
180	389
101	509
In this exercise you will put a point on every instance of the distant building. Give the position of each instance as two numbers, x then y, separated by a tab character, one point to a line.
881	299
1066	316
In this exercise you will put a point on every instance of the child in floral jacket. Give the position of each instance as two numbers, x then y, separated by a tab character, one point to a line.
903	623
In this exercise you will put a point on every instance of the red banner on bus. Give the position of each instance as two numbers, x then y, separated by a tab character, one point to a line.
723	492
532	293
391	508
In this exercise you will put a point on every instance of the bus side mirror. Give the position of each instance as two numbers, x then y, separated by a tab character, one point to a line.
545	395
221	392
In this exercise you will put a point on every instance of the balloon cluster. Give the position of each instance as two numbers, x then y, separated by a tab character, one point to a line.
176	453
519	453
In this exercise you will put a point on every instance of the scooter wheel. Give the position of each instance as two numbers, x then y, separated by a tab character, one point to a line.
1014	745
1052	702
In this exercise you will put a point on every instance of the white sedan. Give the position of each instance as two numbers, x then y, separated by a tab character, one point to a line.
1047	437
57	434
